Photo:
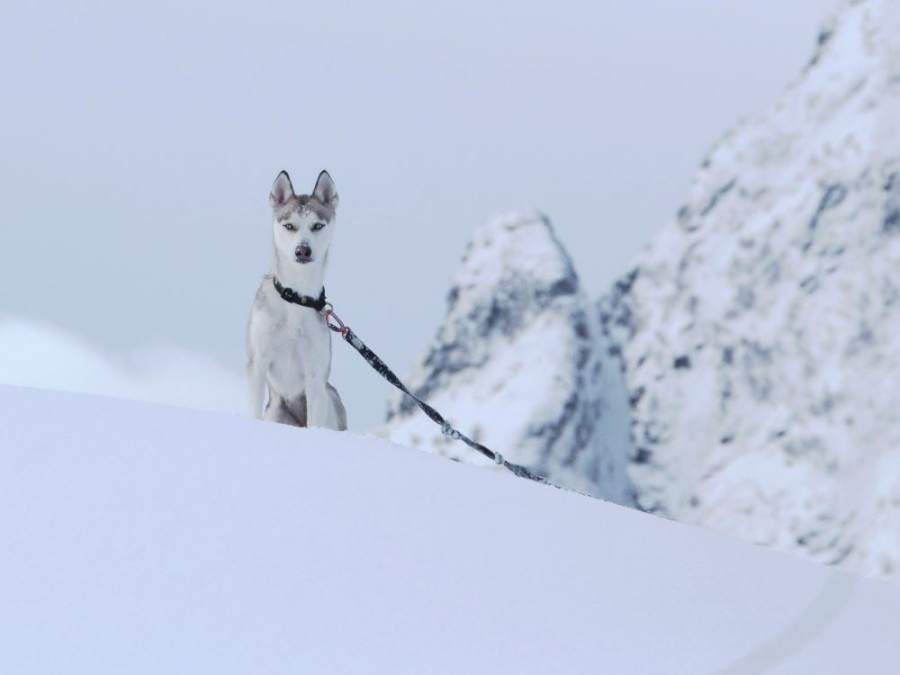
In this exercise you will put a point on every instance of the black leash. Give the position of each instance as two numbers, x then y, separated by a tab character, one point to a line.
335	324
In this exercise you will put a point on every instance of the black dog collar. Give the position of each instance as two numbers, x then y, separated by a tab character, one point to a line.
289	295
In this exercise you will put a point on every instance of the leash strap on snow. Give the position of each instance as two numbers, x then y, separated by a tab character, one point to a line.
335	324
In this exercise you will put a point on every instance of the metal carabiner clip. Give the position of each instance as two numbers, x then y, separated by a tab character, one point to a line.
333	321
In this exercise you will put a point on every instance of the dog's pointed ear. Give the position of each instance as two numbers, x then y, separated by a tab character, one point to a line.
325	191
282	190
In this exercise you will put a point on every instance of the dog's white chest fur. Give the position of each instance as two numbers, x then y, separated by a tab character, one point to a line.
296	341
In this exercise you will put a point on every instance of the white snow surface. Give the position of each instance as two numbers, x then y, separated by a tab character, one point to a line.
759	330
145	539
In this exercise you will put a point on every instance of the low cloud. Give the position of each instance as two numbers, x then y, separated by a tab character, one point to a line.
33	354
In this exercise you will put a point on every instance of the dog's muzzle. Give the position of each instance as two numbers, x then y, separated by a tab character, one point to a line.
303	253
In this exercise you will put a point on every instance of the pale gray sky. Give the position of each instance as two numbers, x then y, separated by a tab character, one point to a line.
138	143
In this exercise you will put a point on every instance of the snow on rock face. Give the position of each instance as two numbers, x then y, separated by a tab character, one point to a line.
759	333
518	365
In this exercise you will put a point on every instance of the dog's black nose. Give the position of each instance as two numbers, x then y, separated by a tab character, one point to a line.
303	252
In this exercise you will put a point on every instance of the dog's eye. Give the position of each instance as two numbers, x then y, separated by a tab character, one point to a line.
317	227
289	227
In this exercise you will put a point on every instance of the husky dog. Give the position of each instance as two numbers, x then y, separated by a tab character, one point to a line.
288	343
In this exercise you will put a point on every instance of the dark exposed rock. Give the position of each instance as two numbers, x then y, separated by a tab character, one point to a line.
682	362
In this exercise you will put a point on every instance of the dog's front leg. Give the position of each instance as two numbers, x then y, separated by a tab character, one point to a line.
256	387
317	402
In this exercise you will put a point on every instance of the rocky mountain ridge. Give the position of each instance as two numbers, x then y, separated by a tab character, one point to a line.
743	374
758	332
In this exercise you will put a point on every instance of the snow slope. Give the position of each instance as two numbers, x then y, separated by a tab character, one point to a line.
758	331
144	539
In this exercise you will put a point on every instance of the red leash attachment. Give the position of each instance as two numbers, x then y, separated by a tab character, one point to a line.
333	321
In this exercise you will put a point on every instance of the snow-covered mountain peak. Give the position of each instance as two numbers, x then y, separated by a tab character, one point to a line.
836	119
758	331
518	364
512	270
517	251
